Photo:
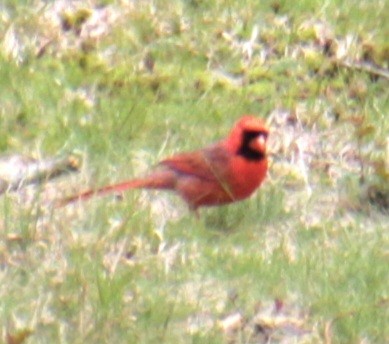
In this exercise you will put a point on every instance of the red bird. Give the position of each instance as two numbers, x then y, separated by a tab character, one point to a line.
225	172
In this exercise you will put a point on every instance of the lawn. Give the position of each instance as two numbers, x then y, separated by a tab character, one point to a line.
116	86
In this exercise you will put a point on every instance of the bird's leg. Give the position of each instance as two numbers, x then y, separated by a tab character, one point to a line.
195	210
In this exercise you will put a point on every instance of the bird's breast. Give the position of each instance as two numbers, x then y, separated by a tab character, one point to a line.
246	176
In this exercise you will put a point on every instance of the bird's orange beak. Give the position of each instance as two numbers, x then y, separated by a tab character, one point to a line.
259	144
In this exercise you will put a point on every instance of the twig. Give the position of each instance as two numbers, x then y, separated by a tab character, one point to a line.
365	67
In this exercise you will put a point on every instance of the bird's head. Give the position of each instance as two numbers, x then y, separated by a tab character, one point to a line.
248	138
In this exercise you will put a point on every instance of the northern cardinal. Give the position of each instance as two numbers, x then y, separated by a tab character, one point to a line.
227	171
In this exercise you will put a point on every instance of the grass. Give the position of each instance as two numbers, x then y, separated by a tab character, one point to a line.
303	261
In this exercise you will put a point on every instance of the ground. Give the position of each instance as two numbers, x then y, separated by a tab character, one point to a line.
106	89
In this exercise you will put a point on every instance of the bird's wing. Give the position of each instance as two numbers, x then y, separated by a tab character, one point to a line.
208	164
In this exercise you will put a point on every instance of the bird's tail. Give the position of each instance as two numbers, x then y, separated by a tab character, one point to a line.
154	181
